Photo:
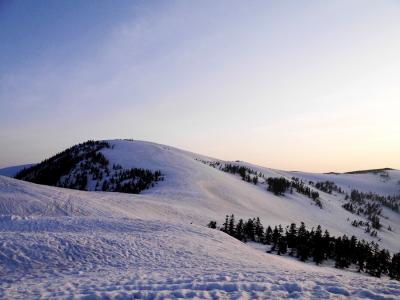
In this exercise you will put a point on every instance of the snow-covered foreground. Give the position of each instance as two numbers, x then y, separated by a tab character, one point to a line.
60	243
90	258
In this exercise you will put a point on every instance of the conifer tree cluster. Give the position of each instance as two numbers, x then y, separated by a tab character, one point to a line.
247	174
315	245
131	181
279	185
327	186
276	185
49	171
369	227
84	167
370	203
214	164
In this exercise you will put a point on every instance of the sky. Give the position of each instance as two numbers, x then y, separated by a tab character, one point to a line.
293	85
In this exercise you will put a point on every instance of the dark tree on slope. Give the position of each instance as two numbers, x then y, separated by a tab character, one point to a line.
268	235
327	245
212	224
317	245
282	245
239	232
342	260
375	222
378	261
302	249
275	238
394	269
291	236
225	225
258	230
231	226
278	185
367	256
363	251
50	170
249	230
75	167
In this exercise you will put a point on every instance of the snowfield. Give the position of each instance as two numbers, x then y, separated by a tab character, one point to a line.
90	258
61	243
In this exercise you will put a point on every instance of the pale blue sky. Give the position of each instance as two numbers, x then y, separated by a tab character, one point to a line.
310	85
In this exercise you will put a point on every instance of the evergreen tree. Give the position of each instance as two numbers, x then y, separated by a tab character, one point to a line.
353	249
255	180
363	251
326	245
258	230
249	230
212	224
383	262
394	268
239	231
231	226
225	225
278	185
372	264
367	256
375	222
291	237
317	252
282	245
303	250
280	229
275	237
342	259
268	236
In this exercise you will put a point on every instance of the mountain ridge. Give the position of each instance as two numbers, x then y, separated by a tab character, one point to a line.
197	192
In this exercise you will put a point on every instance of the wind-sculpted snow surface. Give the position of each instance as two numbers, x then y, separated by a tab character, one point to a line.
103	258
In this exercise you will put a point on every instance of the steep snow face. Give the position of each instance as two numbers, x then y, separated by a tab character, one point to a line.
92	258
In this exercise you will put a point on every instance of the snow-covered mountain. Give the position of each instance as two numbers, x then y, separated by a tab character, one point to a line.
155	244
196	192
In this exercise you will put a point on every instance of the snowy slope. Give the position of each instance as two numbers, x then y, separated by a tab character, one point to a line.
58	243
93	258
195	192
211	193
384	183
